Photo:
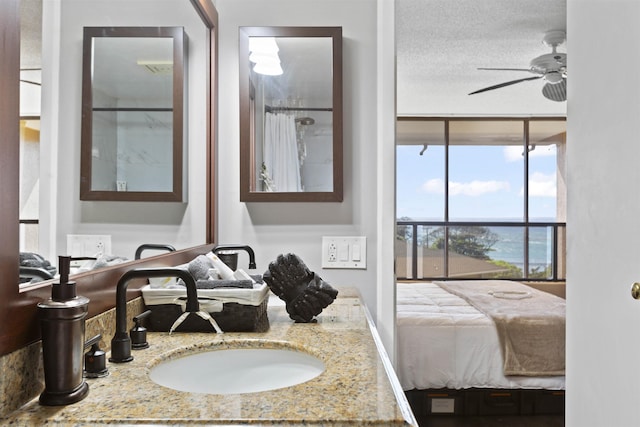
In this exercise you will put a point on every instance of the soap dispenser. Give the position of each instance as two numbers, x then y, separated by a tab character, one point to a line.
62	323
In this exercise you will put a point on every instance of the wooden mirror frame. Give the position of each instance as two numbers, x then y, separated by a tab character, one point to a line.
247	122
18	318
178	114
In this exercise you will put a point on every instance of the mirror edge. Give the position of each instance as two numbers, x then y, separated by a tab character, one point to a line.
246	128
9	172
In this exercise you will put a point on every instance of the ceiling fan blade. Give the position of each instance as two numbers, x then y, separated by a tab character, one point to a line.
31	82
512	82
556	92
507	69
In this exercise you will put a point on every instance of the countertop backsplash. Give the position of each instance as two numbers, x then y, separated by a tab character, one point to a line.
21	372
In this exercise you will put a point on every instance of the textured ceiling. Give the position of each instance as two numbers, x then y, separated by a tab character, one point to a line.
30	33
441	43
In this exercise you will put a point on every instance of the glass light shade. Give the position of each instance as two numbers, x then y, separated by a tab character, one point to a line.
263	45
259	57
268	68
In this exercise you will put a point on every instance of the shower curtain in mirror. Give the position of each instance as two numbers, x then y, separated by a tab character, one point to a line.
281	152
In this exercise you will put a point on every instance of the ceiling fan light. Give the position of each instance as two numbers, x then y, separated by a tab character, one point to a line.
553	77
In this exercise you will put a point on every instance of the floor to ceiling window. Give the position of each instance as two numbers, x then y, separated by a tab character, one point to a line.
480	198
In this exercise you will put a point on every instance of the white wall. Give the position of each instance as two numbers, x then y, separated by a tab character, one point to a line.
275	228
603	227
129	224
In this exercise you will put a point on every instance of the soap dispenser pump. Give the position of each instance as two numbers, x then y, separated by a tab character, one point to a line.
62	323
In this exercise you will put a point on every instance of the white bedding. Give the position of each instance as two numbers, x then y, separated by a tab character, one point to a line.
443	342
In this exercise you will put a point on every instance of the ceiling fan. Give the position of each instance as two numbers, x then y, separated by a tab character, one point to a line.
552	67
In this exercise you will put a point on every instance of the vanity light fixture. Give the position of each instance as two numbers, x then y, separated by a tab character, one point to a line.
268	68
263	51
263	45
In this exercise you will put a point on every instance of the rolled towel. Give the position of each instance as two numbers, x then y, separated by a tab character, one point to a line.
199	267
212	284
223	269
242	275
108	260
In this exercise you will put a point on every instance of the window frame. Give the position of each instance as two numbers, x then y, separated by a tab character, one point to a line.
558	255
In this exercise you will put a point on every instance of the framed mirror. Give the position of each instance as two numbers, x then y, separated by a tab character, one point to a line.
291	114
132	114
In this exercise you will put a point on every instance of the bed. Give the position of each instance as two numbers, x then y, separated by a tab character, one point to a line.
445	342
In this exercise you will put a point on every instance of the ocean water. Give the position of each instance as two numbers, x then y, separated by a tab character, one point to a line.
510	246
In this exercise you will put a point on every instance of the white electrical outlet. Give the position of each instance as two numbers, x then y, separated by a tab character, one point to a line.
344	252
332	252
443	406
86	245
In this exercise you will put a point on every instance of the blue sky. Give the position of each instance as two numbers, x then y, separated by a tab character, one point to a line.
486	182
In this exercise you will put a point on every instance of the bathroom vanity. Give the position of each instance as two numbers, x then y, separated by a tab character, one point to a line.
358	385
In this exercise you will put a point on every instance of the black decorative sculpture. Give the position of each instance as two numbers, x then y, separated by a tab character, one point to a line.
304	292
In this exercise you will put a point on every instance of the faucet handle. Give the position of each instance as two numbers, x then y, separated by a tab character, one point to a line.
138	333
95	365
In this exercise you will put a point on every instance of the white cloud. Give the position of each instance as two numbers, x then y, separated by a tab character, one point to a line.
513	153
434	186
541	185
477	188
473	188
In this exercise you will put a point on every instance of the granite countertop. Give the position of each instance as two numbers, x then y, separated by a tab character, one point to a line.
358	386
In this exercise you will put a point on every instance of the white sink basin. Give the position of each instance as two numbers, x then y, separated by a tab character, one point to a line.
236	370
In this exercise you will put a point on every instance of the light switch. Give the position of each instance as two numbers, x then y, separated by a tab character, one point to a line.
343	252
355	252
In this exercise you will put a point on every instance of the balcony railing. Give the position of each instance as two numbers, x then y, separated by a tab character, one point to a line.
430	250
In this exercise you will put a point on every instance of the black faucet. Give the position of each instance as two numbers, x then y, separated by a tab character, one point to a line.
246	248
121	341
154	246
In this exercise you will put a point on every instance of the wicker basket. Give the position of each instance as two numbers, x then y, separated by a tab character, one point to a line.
235	310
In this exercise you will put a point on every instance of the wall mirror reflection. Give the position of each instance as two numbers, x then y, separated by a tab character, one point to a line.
53	220
291	114
39	52
132	113
29	154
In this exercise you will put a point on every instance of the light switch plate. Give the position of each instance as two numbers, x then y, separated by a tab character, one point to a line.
344	252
